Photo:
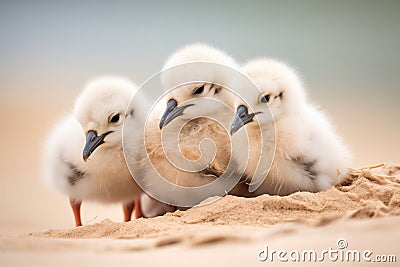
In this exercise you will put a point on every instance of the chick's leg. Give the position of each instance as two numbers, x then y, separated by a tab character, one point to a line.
138	209
128	208
76	209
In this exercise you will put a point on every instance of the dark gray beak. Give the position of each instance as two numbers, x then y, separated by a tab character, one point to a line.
171	112
242	117
92	142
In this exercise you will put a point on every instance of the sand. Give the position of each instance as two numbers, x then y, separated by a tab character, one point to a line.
363	210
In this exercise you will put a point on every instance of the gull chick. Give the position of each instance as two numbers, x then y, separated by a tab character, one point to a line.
180	113
187	120
308	156
84	157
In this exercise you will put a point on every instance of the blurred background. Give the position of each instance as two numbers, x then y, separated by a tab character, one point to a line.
347	52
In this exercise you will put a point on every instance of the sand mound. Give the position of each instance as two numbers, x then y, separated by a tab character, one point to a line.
366	193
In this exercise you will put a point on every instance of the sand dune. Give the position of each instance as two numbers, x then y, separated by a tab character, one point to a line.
366	193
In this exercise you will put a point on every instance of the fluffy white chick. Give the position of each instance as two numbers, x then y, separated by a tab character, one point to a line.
308	156
180	116
84	157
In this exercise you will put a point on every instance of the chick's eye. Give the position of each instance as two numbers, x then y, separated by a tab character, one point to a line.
114	118
199	90
265	99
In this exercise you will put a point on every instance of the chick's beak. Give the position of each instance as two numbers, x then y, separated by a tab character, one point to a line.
171	112
92	142
242	117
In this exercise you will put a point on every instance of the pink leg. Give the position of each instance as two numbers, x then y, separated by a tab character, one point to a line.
138	209
128	208
76	209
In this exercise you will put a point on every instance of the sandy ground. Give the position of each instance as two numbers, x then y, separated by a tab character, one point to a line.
363	211
212	246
